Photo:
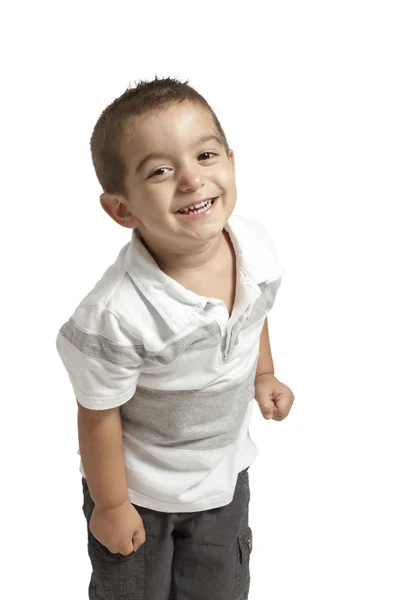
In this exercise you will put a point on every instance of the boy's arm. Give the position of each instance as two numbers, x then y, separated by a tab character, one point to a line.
265	364
101	449
274	398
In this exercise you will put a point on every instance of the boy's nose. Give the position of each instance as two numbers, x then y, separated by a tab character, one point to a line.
190	180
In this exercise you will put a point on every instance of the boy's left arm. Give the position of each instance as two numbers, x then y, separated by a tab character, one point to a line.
274	398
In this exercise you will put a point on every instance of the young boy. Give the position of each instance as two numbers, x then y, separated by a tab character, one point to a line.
167	353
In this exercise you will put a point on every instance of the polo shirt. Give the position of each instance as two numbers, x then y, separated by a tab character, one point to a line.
180	368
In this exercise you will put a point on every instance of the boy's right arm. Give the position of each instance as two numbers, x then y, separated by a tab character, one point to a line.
101	448
114	522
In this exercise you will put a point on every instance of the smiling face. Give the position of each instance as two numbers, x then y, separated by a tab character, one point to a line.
180	181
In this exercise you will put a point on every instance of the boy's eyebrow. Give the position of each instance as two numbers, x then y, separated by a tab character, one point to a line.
155	155
208	138
147	158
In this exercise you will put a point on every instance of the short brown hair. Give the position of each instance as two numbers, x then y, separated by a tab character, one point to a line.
105	143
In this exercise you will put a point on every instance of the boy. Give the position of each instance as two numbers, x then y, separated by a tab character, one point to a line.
166	354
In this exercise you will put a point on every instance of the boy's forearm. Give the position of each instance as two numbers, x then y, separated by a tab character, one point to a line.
101	449
265	364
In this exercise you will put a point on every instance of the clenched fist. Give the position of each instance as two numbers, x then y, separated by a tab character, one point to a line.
120	529
274	398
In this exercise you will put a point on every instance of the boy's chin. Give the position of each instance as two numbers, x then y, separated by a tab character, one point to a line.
204	234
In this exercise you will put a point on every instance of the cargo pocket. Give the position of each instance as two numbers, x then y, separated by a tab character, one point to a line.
115	575
244	548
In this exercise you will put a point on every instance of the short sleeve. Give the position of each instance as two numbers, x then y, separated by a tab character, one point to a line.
102	358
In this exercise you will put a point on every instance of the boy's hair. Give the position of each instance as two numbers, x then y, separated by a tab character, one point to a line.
107	137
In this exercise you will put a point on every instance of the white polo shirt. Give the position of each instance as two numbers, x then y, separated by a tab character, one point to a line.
178	366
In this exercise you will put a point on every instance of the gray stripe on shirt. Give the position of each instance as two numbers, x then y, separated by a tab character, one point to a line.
203	338
98	346
192	419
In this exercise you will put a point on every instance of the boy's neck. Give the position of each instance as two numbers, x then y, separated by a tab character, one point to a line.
200	260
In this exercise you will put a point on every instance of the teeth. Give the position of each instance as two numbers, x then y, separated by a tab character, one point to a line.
201	207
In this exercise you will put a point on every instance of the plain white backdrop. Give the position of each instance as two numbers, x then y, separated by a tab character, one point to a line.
308	94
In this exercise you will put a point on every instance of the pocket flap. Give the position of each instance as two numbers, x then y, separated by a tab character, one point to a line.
245	544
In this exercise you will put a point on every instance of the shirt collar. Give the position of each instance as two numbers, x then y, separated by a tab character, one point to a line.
176	304
255	250
255	260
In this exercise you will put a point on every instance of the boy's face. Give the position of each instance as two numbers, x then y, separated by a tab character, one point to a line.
175	160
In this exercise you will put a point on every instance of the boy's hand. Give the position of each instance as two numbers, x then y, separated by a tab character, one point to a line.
120	529
274	398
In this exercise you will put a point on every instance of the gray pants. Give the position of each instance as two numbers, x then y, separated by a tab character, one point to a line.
201	555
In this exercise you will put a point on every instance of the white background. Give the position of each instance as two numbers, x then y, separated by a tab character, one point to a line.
308	94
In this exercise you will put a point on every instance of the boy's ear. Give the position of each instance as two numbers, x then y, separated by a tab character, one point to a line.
116	207
231	157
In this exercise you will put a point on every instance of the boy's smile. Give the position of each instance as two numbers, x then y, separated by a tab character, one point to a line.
198	210
180	179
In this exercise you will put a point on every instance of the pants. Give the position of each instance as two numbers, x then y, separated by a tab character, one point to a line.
201	555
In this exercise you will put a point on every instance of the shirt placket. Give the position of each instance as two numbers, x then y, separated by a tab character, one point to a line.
249	291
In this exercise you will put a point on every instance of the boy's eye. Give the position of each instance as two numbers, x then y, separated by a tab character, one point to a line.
207	155
158	172
163	170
